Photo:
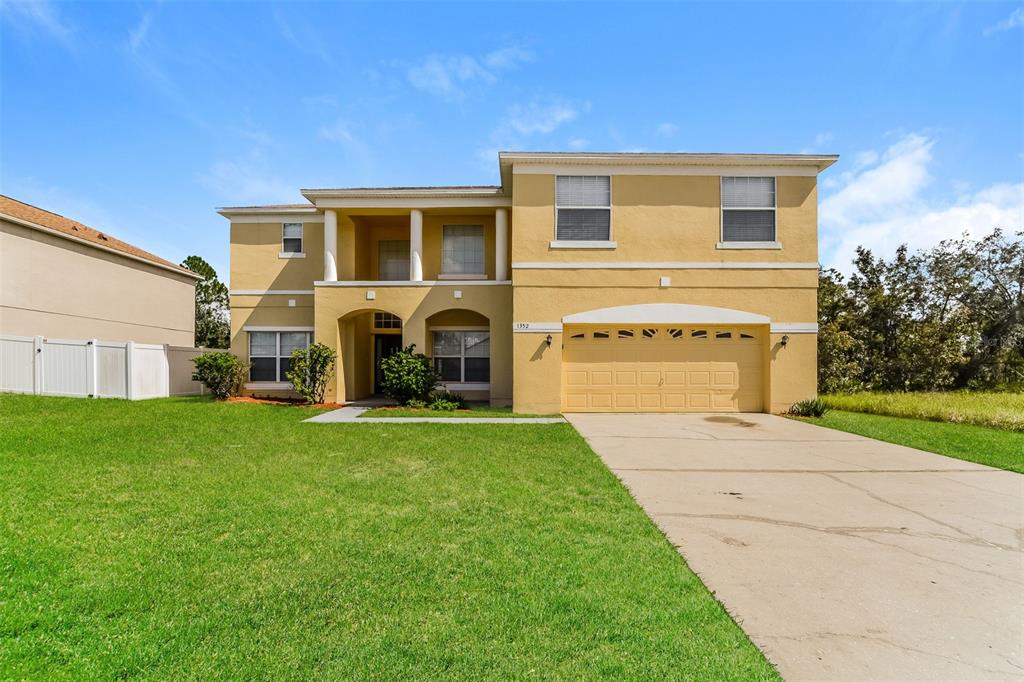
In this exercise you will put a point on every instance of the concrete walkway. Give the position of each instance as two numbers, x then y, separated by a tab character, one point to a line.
350	415
842	557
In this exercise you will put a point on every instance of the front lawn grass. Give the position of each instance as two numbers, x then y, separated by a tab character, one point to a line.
189	539
999	410
999	448
472	410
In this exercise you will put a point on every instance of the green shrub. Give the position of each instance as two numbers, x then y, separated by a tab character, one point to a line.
443	405
310	370
222	373
416	403
446	395
809	408
407	375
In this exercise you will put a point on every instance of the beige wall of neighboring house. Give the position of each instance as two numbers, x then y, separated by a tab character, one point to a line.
668	310
62	279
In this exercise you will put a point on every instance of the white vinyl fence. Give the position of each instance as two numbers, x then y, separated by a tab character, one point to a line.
96	369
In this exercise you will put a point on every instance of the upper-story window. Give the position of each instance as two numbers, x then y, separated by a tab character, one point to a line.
291	238
462	252
393	259
583	207
748	209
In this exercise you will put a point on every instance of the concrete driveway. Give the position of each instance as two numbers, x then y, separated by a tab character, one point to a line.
842	557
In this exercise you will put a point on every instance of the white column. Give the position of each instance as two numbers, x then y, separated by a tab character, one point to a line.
501	244
416	245
330	246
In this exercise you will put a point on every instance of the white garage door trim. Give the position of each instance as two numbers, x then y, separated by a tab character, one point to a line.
665	313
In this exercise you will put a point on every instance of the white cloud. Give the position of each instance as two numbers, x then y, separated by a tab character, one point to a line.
28	15
137	36
667	129
1015	20
248	179
579	143
880	204
339	131
446	75
540	117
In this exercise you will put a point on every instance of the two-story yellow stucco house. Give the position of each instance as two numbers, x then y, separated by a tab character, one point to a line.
584	282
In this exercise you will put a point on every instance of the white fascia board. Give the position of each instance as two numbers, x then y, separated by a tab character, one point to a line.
271	292
312	216
794	328
275	328
617	169
425	283
665	313
410	203
625	265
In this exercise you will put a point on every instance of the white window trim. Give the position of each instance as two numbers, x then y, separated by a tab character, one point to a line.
470	276
467	385
462	355
750	245
609	243
582	244
774	209
301	253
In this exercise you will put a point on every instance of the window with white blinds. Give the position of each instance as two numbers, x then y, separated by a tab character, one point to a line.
462	250
583	207
393	260
748	209
271	353
291	237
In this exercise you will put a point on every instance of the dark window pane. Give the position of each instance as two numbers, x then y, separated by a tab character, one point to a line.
292	245
263	369
478	369
580	224
286	364
450	369
748	226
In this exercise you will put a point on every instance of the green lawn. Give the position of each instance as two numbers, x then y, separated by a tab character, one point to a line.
473	410
1000	410
999	448
188	539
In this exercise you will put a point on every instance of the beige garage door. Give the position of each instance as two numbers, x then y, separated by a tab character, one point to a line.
662	369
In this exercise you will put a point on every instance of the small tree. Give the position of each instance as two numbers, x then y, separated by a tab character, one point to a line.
407	375
222	373
310	370
212	327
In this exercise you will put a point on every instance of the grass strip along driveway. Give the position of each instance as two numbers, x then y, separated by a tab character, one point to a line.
183	538
998	410
473	410
993	447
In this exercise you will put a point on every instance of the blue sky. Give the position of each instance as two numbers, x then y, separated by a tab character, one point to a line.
141	118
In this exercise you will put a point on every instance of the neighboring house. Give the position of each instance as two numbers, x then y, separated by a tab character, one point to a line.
62	279
584	282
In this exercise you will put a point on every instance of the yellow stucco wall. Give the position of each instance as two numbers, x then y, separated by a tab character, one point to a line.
655	219
662	219
338	311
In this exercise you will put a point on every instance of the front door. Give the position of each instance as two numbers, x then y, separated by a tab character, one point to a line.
383	346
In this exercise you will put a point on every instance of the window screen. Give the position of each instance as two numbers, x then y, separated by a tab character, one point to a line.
270	353
748	209
462	356
291	237
463	250
583	207
393	260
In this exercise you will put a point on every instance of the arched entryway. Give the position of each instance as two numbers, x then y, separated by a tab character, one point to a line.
366	337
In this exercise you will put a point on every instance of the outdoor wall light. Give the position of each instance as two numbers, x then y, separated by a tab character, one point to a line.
548	340
785	340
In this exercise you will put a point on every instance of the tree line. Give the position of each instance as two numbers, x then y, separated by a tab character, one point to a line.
950	317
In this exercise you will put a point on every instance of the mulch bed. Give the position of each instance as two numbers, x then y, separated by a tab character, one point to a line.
280	401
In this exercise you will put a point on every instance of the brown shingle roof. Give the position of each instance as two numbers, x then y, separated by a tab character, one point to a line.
73	228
